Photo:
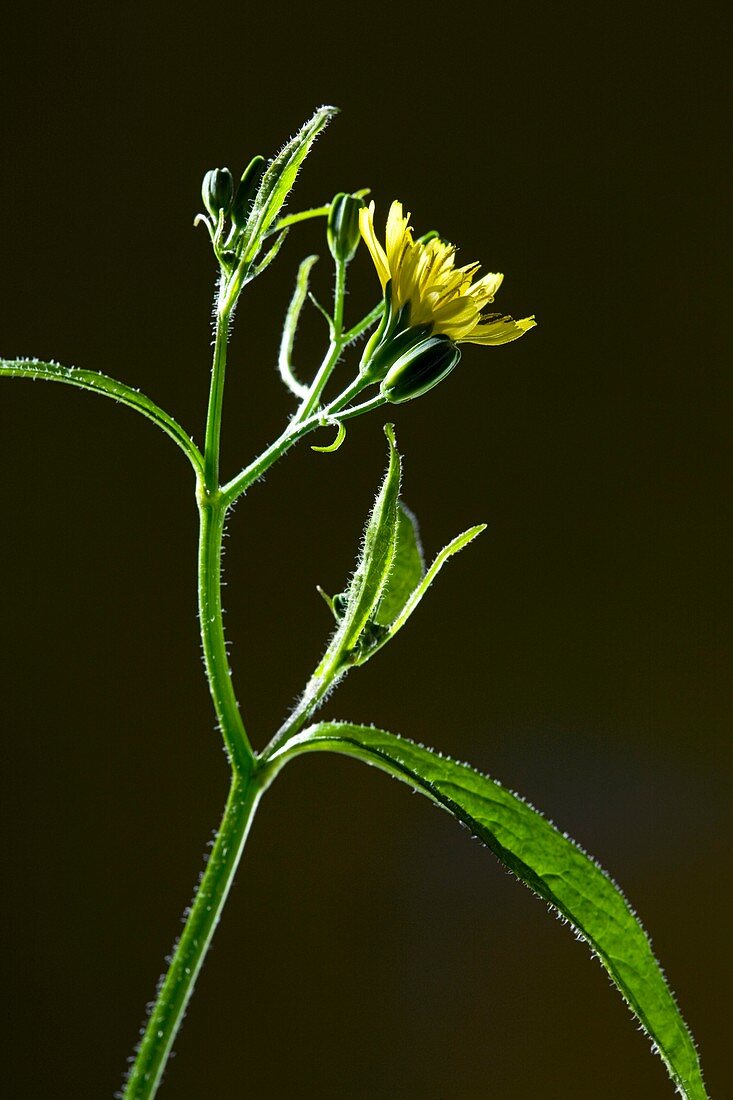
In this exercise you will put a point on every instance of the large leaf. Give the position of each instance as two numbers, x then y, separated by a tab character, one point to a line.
547	861
110	387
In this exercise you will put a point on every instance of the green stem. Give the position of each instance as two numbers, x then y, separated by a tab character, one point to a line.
175	992
335	348
212	511
361	327
216	397
189	954
295	431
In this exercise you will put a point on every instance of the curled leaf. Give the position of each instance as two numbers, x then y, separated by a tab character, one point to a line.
331	447
292	317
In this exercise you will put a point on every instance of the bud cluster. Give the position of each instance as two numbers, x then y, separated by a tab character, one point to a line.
223	201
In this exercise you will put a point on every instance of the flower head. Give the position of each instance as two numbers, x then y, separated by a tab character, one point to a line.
437	294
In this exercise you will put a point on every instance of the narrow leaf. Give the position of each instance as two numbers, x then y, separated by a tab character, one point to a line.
279	178
551	864
373	568
292	317
110	387
331	447
417	594
408	568
300	216
268	258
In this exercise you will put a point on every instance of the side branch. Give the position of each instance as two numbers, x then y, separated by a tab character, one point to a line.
109	387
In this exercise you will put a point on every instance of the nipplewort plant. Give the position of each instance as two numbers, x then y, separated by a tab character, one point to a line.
427	309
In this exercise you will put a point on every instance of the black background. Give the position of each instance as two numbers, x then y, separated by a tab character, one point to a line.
576	651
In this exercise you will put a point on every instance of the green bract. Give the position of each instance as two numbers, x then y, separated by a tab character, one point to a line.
420	368
411	349
246	191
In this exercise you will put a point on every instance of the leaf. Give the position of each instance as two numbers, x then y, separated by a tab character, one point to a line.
279	177
110	387
447	552
268	258
551	864
292	317
375	561
408	568
416	595
340	437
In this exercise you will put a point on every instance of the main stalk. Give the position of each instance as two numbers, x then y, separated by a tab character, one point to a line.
246	788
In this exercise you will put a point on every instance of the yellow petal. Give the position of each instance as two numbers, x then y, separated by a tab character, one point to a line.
484	289
366	227
502	331
398	236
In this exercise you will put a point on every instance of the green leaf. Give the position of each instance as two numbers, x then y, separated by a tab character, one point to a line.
375	561
331	447
279	177
551	864
414	597
447	552
292	317
300	216
267	259
408	568
110	387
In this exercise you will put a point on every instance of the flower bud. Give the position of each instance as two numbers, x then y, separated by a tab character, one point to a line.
419	369
217	191
247	190
343	227
379	360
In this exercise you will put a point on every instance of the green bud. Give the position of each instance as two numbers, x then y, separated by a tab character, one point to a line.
394	346
419	369
247	190
217	191
343	227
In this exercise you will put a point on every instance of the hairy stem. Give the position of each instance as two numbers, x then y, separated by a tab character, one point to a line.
216	398
178	984
212	511
190	951
335	348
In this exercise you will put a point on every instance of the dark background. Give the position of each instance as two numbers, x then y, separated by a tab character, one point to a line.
576	651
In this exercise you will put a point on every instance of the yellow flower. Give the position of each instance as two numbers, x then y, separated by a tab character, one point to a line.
441	295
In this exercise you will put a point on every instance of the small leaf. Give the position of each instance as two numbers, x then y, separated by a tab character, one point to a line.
328	600
447	552
268	258
285	357
279	177
547	861
408	568
331	447
413	598
378	549
371	574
